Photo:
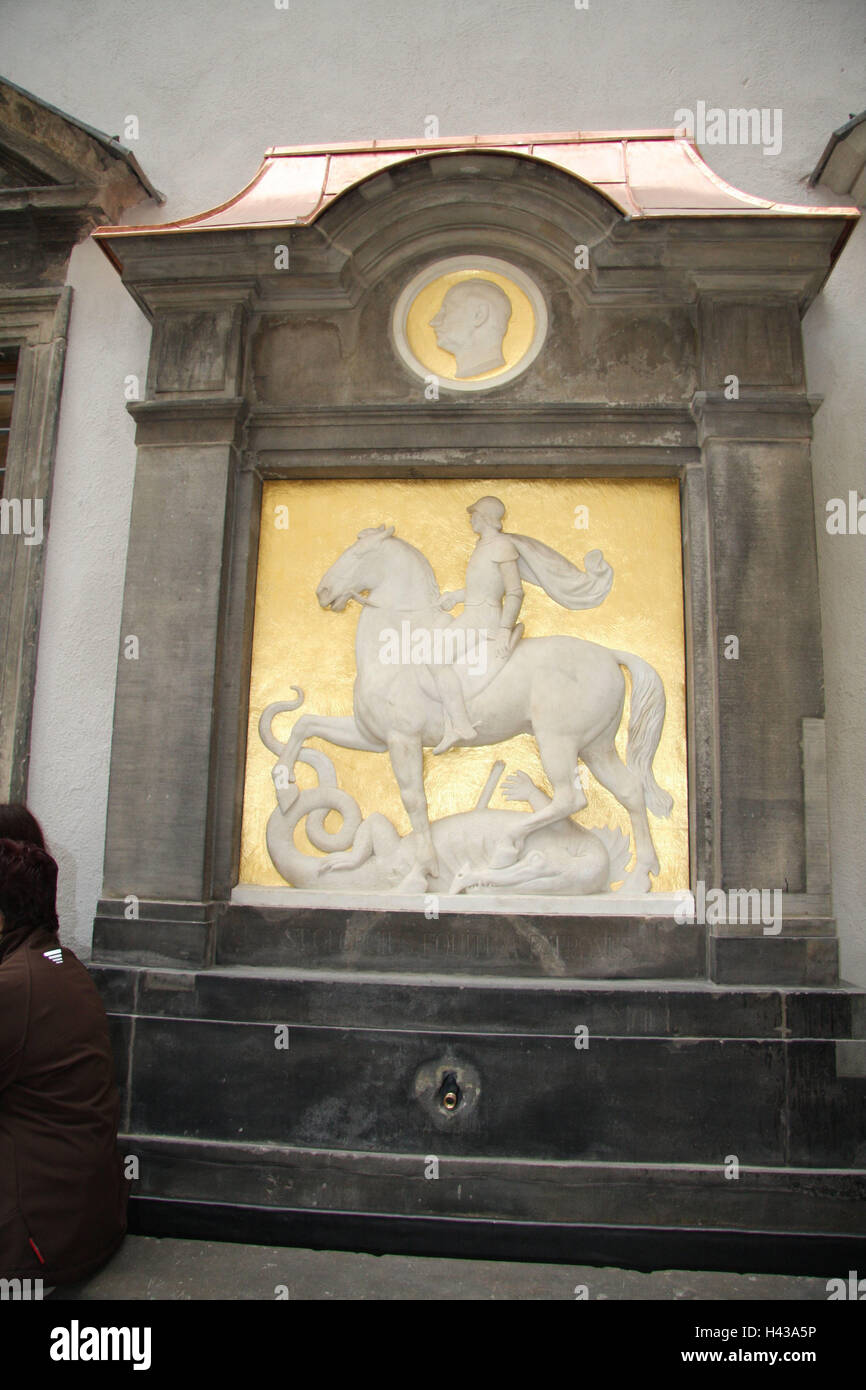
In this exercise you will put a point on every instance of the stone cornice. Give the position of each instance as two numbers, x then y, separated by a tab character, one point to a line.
66	150
406	438
755	416
171	421
35	315
508	207
66	178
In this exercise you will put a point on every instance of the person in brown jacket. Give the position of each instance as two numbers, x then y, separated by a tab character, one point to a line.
62	1191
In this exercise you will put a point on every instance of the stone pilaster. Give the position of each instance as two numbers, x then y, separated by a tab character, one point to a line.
173	661
768	628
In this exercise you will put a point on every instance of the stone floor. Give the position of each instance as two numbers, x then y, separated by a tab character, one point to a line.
146	1268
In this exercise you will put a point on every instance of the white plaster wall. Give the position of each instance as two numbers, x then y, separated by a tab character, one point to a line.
214	82
835	342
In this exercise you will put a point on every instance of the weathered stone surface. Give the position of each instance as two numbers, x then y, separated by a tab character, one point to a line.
323	1138
764	553
794	960
590	1200
564	1071
156	838
585	947
36	321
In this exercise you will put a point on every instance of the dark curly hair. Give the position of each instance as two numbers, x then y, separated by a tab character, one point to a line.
17	823
28	886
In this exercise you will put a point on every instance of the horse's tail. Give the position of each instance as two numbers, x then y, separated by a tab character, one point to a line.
645	729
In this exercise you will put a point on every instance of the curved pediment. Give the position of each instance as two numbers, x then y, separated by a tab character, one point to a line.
351	213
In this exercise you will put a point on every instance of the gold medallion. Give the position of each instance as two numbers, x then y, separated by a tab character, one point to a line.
470	323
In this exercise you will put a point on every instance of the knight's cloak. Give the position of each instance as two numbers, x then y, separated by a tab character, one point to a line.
566	584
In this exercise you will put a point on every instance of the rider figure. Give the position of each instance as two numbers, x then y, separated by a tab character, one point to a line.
491	602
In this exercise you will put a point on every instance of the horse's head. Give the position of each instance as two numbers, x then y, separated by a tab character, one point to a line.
381	563
360	567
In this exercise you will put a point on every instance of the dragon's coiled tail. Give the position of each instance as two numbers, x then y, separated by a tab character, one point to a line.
299	869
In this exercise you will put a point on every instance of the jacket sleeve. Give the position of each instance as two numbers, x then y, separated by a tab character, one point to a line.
14	1011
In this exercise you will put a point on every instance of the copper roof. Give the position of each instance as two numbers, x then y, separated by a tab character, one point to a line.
643	173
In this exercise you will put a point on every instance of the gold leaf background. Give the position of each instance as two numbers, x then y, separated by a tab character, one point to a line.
635	522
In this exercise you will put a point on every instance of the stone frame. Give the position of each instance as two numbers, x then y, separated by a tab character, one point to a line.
64	178
258	373
206	440
36	322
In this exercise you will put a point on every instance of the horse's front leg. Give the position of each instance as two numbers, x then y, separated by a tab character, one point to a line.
559	759
407	760
337	729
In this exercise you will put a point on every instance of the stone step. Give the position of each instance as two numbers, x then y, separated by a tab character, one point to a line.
551	1071
612	1008
280	1180
801	949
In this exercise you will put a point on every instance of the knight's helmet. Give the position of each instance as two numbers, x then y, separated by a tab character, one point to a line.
491	509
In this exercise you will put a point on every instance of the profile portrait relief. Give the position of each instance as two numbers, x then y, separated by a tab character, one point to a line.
469	323
472	324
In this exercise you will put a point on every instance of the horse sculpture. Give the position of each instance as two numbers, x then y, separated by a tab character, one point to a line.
567	692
